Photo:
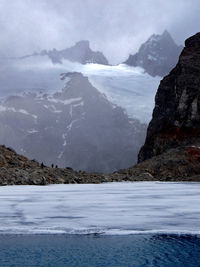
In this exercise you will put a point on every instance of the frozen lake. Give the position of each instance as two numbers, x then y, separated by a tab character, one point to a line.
112	208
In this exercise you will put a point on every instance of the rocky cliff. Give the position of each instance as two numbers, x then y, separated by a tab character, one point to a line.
176	116
157	56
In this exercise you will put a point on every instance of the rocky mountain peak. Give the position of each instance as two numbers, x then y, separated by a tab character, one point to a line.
83	44
80	52
176	116
78	85
76	127
158	55
155	39
166	35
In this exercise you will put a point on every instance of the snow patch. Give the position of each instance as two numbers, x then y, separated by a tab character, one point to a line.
65	102
78	105
32	131
12	109
152	58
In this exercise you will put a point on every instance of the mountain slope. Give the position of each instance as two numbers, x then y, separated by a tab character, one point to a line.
127	87
77	127
158	55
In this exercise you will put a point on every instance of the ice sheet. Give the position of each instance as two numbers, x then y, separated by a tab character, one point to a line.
112	208
128	87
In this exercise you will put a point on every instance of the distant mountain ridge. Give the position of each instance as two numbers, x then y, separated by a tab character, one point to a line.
77	127
80	52
157	56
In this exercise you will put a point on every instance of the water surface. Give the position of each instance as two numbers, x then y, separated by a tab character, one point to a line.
104	251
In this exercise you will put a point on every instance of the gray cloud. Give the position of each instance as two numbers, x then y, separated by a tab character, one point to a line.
112	26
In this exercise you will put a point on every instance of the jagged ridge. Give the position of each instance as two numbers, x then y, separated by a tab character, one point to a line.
157	56
80	52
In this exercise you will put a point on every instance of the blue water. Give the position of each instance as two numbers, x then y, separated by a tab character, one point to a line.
99	251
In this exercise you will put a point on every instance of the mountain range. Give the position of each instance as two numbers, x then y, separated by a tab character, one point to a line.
76	127
157	56
171	151
80	52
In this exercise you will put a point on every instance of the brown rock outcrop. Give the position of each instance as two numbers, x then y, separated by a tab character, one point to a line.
19	170
176	164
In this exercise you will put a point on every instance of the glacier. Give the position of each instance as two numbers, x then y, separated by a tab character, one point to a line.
129	87
111	208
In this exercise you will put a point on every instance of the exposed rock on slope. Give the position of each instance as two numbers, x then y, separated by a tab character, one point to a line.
176	164
19	170
77	127
176	116
80	52
181	164
157	56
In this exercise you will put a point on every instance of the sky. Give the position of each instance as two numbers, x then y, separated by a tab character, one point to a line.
115	27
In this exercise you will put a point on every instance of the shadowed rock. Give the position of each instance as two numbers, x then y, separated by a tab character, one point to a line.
176	116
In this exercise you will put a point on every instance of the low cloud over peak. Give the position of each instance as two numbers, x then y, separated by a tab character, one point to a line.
113	27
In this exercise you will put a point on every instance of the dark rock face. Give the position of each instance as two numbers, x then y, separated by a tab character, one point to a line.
176	116
80	52
158	55
76	127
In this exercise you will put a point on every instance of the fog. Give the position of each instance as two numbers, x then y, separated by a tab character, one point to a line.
116	28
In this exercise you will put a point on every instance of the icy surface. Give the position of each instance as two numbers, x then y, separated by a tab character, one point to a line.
113	208
128	87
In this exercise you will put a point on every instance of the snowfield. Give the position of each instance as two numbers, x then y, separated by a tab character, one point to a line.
128	87
113	208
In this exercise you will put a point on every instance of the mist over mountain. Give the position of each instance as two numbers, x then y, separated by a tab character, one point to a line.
80	52
77	127
125	86
80	126
115	28
157	56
